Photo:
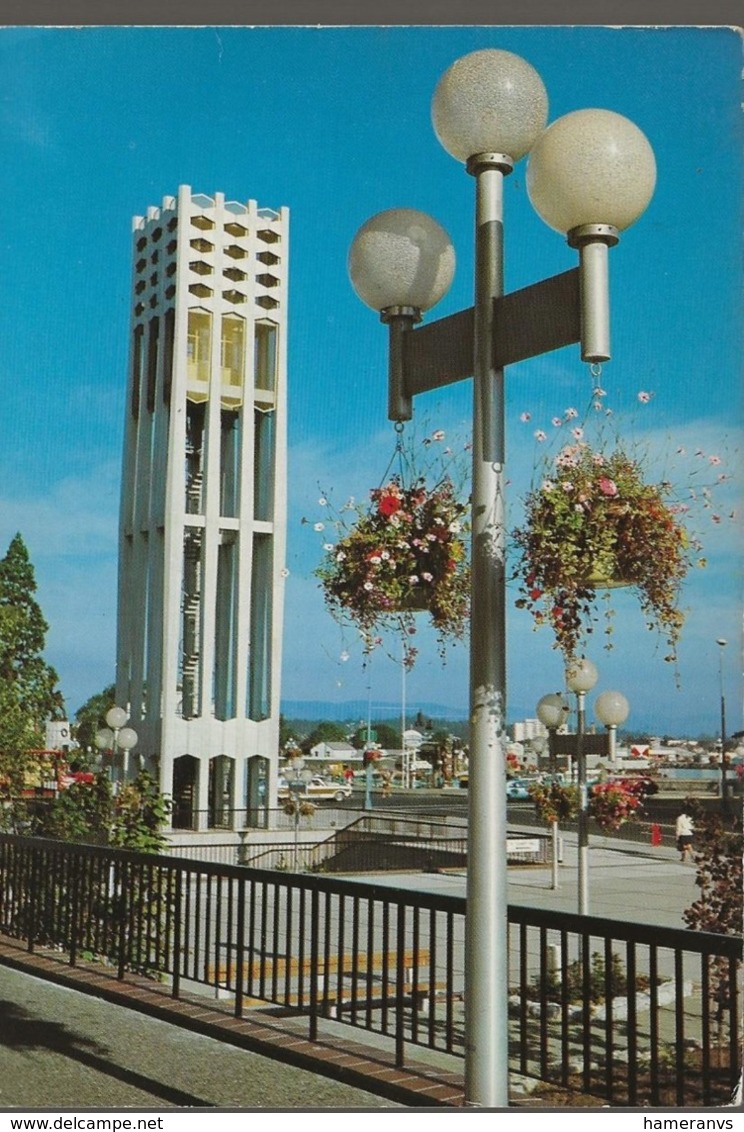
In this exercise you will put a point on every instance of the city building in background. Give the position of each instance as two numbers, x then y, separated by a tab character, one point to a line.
203	505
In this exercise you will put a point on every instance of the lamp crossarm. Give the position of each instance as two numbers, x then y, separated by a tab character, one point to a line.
574	744
534	320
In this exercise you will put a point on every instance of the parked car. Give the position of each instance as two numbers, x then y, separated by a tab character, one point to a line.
317	787
518	789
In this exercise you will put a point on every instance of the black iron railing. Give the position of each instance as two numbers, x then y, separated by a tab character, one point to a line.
630	1013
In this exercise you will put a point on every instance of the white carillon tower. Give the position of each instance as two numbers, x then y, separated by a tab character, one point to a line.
203	506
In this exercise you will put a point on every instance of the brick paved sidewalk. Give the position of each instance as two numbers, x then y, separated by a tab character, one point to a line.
364	1066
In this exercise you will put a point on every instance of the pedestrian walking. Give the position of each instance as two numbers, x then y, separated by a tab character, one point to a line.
684	831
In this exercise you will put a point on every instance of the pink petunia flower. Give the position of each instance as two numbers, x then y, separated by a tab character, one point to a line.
607	486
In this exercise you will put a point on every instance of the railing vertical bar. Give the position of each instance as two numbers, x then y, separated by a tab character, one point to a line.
609	1053
679	1025
289	958
230	936
301	966
275	938
178	924
565	1032
399	990
523	993
733	1021
706	1034
370	961
76	908
632	1028
99	872
450	983
586	1012
433	1017
314	962
207	948
327	966
223	973
543	983
155	939
415	973
196	887
262	941
120	888
341	931
385	966
240	947
654	1029
354	958
251	932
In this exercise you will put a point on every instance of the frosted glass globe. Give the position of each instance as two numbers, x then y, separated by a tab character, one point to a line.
127	738
104	739
490	101
401	258
552	710
591	167
116	717
581	675
612	709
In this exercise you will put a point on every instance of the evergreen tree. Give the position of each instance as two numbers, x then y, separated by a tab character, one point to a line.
91	717
28	685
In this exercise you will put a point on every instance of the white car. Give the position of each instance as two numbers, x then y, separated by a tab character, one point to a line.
317	787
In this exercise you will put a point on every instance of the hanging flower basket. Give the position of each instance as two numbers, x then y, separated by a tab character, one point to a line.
554	802
596	524
612	804
405	553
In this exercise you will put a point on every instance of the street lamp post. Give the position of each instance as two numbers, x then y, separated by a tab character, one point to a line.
298	776
612	709
552	711
591	174
115	737
724	781
581	676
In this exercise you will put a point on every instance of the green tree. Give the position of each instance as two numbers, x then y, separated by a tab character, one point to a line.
28	685
325	732
386	736
91	812
91	717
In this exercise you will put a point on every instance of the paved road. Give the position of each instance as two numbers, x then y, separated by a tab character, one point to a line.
63	1050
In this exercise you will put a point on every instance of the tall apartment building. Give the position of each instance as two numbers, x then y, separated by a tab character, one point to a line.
203	505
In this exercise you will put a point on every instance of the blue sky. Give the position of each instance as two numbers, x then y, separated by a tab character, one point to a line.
96	124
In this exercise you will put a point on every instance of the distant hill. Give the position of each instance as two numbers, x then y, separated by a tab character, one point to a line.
351	711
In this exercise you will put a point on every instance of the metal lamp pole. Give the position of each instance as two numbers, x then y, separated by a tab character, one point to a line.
301	775
724	780
489	110
552	711
581	676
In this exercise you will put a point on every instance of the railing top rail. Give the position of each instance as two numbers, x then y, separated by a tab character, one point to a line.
703	943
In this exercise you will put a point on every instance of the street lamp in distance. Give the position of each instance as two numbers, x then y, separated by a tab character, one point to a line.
117	737
721	642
